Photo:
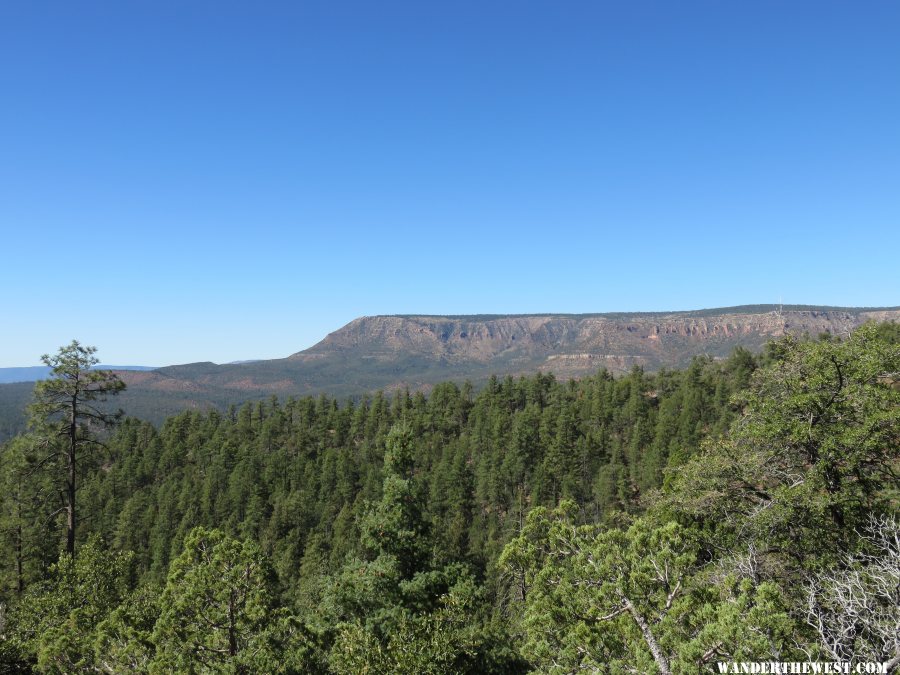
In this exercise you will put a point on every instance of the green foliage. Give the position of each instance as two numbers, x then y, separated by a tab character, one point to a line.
395	527
297	476
216	614
27	547
715	568
55	621
397	609
888	331
634	600
441	641
216	608
73	377
650	523
123	641
64	415
814	454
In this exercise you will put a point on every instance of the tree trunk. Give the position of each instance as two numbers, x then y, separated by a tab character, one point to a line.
662	661
232	631
70	482
20	579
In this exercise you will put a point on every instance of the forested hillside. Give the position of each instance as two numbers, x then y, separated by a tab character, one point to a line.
632	523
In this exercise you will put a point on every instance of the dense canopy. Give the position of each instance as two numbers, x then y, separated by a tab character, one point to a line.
653	523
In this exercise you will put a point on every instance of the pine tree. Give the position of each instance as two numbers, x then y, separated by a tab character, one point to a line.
217	608
66	414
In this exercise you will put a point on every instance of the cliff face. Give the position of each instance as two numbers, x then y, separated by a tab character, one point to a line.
440	337
572	345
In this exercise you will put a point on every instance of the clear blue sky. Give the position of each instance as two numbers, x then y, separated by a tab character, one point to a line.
184	181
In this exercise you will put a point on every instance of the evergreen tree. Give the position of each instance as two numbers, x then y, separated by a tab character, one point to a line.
55	622
65	414
217	609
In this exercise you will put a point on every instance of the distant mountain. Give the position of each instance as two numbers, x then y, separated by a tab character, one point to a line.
35	373
391	352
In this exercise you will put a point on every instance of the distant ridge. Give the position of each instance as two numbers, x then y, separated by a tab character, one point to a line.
35	373
416	351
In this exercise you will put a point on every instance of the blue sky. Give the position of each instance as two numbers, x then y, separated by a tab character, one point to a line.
184	181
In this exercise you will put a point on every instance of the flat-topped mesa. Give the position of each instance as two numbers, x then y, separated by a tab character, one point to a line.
445	335
418	351
649	339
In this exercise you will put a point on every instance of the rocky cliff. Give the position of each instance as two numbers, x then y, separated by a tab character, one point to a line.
575	344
